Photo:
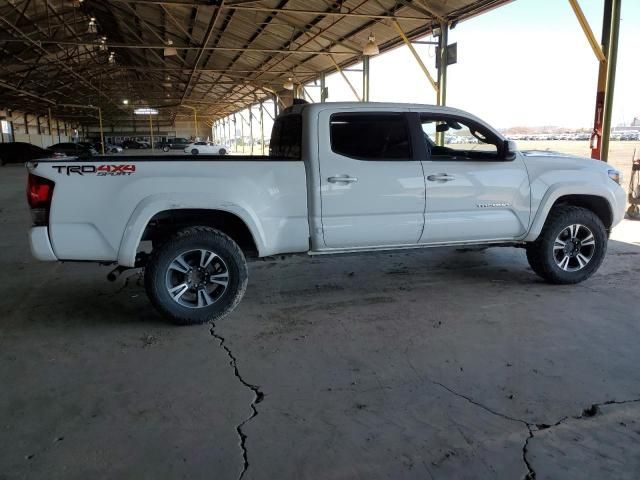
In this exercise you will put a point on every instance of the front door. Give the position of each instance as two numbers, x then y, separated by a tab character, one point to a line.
371	184
474	193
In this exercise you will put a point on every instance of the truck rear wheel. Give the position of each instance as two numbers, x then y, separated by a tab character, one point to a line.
199	275
571	246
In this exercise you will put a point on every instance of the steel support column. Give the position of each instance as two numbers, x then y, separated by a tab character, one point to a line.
323	87
262	127
235	132
251	125
101	129
365	78
442	72
151	131
612	59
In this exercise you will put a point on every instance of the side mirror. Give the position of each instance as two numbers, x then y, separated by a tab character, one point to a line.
509	149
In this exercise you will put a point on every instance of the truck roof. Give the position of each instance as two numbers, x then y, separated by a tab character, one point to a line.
314	108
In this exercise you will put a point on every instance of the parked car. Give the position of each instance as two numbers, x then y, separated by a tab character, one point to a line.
111	148
20	152
339	178
132	144
74	149
108	148
205	148
175	144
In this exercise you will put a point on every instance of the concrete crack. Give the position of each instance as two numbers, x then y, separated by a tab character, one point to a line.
591	411
258	396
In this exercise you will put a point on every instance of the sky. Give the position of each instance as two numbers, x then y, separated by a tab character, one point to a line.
527	63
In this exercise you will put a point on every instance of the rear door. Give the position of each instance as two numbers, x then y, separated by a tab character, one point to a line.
371	183
474	193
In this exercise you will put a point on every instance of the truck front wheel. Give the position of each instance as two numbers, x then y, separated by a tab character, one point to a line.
571	246
199	275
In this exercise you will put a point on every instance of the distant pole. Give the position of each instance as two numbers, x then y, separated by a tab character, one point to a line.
251	126
101	129
151	130
365	79
195	121
242	131
49	125
323	86
262	127
235	131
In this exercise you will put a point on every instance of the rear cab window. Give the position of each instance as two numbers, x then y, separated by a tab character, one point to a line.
286	137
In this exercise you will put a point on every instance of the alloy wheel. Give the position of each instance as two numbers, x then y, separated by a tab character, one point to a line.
197	278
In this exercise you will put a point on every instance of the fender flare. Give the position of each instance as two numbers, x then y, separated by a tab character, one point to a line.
154	204
557	191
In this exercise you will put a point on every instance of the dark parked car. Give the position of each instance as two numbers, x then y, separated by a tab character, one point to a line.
74	149
134	144
176	144
20	152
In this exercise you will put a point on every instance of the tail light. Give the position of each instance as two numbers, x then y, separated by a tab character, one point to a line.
39	194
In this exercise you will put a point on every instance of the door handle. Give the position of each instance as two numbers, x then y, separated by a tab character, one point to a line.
342	179
441	177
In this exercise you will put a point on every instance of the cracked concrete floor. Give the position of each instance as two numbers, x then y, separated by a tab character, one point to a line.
429	364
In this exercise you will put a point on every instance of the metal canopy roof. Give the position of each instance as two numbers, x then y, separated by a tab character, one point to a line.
229	53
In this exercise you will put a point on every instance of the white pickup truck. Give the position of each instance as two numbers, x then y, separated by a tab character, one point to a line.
340	177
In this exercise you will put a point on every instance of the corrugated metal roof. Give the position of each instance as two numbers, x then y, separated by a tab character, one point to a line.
229	54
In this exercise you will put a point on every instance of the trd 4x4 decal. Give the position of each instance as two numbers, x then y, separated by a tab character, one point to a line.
99	170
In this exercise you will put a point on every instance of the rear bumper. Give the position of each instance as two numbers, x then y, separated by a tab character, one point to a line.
41	245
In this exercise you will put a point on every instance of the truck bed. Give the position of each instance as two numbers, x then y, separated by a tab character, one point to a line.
96	200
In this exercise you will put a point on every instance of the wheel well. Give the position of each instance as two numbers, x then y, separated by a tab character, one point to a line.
598	205
164	224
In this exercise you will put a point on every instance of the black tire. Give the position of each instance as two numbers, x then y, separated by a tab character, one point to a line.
165	148
188	240
542	255
194	151
222	151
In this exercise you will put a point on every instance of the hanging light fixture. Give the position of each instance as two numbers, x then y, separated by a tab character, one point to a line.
371	47
77	3
112	58
288	84
103	44
93	26
170	50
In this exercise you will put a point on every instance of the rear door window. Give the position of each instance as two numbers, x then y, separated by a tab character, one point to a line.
371	136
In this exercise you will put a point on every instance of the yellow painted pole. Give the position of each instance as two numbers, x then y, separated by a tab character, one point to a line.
415	55
586	28
101	130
